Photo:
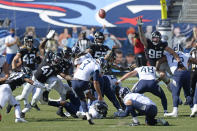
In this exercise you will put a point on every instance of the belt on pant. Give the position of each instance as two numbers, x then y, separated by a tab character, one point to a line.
77	79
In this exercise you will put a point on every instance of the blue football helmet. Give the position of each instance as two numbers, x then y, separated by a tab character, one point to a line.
124	91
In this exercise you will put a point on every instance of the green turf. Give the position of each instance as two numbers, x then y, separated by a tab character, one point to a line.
47	120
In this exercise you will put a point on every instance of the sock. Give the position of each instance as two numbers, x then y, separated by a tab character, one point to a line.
17	111
175	110
135	120
88	116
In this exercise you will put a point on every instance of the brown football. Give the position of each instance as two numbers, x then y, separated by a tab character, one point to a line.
102	13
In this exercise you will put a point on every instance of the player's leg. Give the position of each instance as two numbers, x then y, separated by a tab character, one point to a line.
158	91
12	101
79	87
194	110
150	114
176	88
186	88
110	94
55	83
34	100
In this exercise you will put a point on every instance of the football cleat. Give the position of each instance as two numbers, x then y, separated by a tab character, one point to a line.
162	122
22	115
90	122
134	124
60	113
36	107
194	111
8	108
20	120
172	114
67	114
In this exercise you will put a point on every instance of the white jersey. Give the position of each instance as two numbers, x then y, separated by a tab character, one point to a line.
82	58
139	98
146	72
2	62
173	63
86	69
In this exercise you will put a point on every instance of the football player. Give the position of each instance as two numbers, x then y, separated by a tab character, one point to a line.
47	73
155	48
181	78
15	80
147	83
86	67
27	56
97	49
138	102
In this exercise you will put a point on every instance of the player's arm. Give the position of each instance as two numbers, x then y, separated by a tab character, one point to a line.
66	77
174	54
130	74
43	43
6	72
159	62
129	109
141	32
42	47
16	62
29	81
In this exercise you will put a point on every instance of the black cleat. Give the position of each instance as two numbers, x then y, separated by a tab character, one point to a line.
22	115
36	107
134	124
46	96
60	112
90	122
8	108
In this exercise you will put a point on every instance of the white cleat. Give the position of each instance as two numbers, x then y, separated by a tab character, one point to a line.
170	114
194	111
20	120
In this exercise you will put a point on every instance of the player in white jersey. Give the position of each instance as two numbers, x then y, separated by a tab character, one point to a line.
137	102
181	78
85	70
147	83
4	71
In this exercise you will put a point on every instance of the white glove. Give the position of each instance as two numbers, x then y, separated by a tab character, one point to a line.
50	34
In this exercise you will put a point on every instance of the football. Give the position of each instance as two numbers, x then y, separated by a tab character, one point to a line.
102	13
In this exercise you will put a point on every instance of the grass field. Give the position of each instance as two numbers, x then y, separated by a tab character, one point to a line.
47	120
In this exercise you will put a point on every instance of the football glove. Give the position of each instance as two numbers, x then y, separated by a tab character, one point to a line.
50	34
139	21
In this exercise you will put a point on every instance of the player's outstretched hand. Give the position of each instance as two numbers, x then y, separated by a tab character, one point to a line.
139	21
50	34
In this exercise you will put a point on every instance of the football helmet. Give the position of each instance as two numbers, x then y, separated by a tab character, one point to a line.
156	37
99	38
28	42
124	91
27	72
101	107
56	59
178	48
66	52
